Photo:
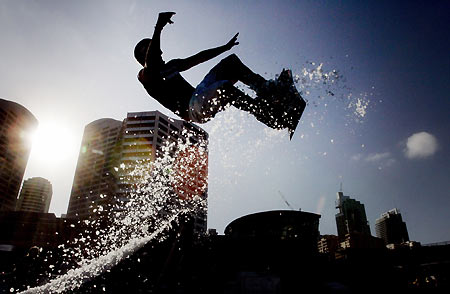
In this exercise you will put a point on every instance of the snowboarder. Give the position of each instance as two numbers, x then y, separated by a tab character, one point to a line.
216	91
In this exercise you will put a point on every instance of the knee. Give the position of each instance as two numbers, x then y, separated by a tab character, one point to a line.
232	58
231	62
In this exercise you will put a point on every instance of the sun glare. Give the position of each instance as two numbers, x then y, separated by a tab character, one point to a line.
52	143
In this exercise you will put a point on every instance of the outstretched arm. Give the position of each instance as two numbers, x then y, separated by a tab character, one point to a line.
187	63
153	57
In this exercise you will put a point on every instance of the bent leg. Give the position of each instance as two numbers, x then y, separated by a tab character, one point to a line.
216	92
207	101
232	69
259	108
238	99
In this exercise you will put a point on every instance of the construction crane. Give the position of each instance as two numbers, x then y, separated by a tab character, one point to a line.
285	201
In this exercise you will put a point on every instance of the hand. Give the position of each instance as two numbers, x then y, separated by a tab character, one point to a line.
164	18
232	42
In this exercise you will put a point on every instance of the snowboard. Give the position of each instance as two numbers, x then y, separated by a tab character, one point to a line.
284	107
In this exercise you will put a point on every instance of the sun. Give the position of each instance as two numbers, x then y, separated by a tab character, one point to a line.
53	143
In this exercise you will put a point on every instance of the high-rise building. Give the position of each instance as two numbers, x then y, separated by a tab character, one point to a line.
145	134
16	126
111	150
35	195
148	136
391	227
94	185
351	217
328	244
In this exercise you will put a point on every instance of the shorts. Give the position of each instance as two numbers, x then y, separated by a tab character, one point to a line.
205	102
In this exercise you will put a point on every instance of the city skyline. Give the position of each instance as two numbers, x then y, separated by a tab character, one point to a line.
99	140
391	58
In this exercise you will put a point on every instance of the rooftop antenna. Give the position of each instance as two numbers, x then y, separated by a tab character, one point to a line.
285	201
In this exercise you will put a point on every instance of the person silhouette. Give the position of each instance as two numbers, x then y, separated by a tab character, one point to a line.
215	92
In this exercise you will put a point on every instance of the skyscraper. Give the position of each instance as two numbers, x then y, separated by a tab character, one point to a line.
111	150
146	134
16	126
328	244
94	183
391	227
351	217
35	195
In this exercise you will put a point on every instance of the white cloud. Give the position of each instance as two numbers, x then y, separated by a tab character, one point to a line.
356	157
421	145
374	157
389	162
382	160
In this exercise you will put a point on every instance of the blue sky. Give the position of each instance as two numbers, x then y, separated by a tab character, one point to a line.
70	62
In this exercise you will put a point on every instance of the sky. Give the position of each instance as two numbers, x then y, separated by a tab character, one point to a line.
376	76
